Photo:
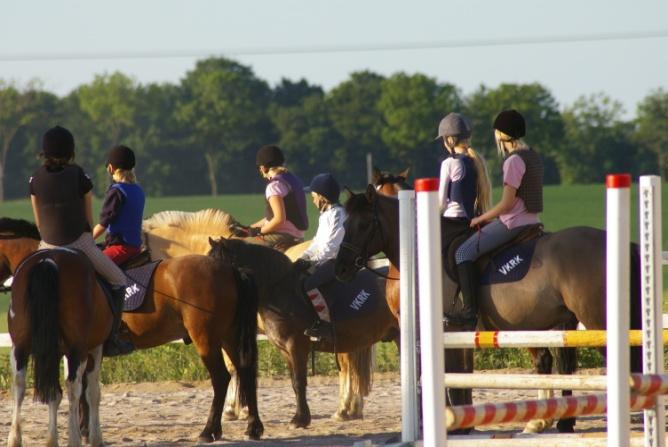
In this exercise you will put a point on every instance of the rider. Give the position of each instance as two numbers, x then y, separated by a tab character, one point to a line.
285	219
121	215
521	201
61	198
321	254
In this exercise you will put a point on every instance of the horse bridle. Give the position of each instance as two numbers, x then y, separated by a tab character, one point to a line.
361	255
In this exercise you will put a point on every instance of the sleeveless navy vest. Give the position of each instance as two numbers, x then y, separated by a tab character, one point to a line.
127	223
294	201
464	191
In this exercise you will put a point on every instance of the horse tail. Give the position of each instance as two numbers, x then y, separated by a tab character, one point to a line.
360	370
246	335
636	305
43	308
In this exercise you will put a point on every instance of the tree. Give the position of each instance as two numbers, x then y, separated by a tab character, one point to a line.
412	106
545	127
225	107
19	108
652	127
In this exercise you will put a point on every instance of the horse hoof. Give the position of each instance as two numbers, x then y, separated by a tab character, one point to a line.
299	422
566	426
255	430
230	416
460	431
537	426
207	438
341	416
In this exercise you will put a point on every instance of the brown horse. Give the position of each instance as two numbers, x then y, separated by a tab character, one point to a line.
285	314
174	233
565	283
389	184
192	296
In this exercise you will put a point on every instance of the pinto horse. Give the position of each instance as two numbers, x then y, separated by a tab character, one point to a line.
174	233
194	296
565	283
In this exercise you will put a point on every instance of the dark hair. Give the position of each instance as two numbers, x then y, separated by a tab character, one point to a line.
52	162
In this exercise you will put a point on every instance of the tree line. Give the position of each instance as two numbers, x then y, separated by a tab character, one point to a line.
200	136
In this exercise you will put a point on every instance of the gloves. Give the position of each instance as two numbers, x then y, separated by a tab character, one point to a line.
301	265
239	230
253	231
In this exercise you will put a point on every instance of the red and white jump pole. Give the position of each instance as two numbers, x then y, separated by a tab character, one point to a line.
430	286
618	235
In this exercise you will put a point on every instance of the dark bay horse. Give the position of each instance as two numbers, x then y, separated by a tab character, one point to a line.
565	283
285	315
57	309
192	296
174	233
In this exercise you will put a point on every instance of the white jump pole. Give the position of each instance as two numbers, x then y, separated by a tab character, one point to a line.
430	290
618	230
409	403
652	299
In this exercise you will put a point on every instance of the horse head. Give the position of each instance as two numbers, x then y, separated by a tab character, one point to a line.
389	184
18	238
366	231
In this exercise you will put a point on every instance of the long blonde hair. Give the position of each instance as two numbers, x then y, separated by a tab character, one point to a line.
501	138
124	176
483	200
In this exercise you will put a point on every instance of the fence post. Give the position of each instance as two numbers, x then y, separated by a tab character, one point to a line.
652	299
430	291
618	308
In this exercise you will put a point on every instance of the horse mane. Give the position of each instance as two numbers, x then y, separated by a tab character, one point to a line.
17	228
208	221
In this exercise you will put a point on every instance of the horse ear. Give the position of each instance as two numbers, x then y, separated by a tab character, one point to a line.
349	192
375	175
405	172
371	193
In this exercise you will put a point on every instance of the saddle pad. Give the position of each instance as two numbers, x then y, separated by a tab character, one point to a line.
139	279
354	299
511	265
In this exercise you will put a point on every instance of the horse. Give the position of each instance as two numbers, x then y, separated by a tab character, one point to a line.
173	233
565	284
194	296
387	183
285	314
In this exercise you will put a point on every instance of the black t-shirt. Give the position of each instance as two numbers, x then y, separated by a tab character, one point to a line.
60	202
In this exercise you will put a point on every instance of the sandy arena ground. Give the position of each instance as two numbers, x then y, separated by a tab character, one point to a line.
173	414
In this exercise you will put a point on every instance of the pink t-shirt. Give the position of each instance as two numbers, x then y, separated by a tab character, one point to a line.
513	171
282	189
452	169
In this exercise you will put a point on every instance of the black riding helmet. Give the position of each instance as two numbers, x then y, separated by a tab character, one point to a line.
512	123
121	157
269	156
58	142
327	186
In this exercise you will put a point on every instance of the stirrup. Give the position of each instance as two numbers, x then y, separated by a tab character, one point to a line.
320	331
466	322
114	346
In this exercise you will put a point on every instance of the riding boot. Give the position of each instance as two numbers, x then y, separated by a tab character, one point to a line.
467	317
320	330
114	345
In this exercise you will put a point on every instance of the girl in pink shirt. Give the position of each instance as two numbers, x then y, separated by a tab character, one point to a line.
521	201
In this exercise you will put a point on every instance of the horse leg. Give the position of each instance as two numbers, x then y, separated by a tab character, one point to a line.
19	367
93	399
543	362
360	373
341	413
232	407
296	354
52	435
212	358
461	361
76	370
566	364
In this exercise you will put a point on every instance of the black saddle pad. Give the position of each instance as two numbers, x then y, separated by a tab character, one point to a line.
139	279
510	265
354	299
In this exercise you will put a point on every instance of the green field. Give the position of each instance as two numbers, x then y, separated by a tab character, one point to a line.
564	206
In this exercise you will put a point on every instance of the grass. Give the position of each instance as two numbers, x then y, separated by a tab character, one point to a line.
565	206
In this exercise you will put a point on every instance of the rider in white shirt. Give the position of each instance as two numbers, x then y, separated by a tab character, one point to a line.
319	257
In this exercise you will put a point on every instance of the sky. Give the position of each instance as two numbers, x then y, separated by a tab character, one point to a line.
65	43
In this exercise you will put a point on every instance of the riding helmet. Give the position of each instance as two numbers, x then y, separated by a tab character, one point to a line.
58	142
121	157
327	186
454	125
269	156
512	123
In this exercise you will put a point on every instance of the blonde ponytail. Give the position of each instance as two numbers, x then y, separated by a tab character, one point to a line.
124	176
483	200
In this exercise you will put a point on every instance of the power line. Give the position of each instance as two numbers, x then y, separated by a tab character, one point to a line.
327	49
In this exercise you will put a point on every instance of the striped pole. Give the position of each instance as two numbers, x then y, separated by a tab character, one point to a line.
652	299
467	416
409	403
537	339
430	290
648	384
618	230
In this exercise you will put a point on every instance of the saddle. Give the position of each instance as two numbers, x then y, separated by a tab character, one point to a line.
142	258
530	233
